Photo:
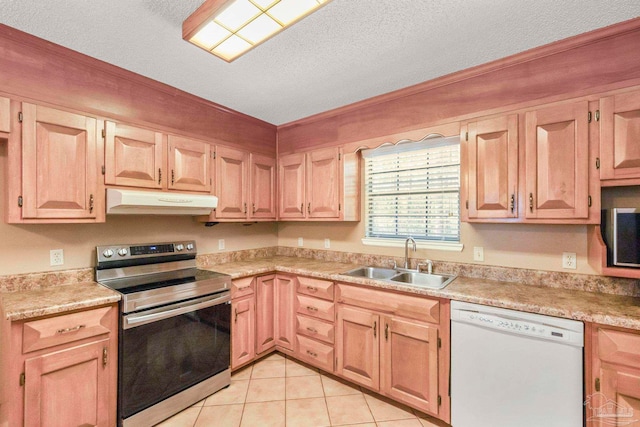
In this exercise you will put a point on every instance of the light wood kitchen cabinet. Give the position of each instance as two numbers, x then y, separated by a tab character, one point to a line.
393	344
557	162
245	186
61	370
311	185
492	151
620	136
265	319
243	345
60	164
613	395
283	312
5	119
144	158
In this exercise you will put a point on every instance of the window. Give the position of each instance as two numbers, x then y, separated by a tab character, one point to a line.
413	189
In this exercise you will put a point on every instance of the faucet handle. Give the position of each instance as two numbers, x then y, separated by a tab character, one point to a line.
429	265
395	265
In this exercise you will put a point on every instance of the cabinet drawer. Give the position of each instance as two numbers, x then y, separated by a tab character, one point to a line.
39	334
316	288
315	307
619	347
419	308
243	287
314	328
315	353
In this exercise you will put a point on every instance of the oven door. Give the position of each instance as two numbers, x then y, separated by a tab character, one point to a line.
168	349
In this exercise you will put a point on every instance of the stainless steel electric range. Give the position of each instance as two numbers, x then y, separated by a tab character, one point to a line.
174	338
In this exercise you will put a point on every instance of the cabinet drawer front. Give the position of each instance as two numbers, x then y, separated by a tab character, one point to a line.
315	287
314	328
315	307
39	334
619	347
419	308
315	353
243	287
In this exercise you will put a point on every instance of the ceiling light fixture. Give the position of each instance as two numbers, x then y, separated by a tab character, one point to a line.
230	28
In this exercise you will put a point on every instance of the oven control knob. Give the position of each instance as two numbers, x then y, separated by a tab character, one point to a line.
122	251
189	246
179	247
108	253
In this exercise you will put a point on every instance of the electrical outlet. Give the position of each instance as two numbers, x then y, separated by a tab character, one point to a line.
56	257
569	260
478	253
220	244
327	243
300	241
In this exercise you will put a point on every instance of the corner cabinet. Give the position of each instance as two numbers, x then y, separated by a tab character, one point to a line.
613	394
61	370
312	186
395	344
54	163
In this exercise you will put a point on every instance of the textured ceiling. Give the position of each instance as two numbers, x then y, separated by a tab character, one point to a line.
348	51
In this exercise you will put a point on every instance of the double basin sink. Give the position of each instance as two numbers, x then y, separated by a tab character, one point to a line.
401	276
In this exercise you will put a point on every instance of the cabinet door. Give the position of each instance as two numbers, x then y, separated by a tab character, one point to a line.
231	183
619	401
134	156
189	164
557	162
68	387
357	346
5	111
243	340
263	187
620	136
59	164
291	181
323	183
409	363
284	312
265	305
493	167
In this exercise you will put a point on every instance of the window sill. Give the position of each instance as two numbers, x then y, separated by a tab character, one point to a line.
397	243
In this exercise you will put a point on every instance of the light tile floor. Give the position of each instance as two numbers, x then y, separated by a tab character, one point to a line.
281	392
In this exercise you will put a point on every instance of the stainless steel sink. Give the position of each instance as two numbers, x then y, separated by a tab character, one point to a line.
424	280
372	272
410	278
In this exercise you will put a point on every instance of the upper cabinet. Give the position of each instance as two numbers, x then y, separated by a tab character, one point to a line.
493	167
5	120
60	160
557	162
245	184
620	136
312	186
145	158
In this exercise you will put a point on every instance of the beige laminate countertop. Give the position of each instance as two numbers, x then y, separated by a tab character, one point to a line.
607	309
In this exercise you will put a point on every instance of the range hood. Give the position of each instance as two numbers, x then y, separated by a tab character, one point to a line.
134	202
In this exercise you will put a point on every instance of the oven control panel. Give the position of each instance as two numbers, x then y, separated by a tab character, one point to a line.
127	251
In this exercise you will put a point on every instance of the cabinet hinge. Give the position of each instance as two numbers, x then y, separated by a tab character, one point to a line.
103	170
466	204
104	133
466	136
589	116
597	162
19	201
589	200
439	342
22	379
439	400
597	384
214	155
339	156
339	207
20	117
597	115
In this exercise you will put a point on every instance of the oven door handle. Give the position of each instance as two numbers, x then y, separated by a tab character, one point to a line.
133	320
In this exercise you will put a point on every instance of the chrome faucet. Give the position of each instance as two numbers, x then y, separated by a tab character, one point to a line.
406	250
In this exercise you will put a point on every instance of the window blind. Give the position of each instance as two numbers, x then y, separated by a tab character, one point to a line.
413	189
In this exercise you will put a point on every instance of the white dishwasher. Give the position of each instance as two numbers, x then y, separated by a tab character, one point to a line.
515	369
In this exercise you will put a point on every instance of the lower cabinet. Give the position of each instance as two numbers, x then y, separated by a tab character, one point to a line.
393	344
613	396
243	347
275	315
60	371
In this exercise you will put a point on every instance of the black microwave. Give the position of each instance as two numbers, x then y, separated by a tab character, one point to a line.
621	228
